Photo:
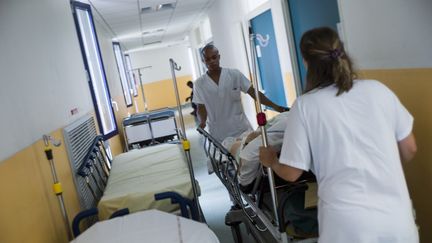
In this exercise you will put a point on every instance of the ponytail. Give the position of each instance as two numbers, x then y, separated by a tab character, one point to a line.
327	61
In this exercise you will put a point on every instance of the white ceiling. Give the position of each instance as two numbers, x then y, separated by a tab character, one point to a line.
127	23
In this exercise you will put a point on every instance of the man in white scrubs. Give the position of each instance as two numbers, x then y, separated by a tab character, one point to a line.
218	96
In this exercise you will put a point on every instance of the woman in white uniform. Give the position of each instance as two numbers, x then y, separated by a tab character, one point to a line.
352	134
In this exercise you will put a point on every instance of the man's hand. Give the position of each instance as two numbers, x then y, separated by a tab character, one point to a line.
202	125
281	108
202	115
265	101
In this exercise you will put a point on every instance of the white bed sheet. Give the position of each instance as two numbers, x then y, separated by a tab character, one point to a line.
148	226
138	175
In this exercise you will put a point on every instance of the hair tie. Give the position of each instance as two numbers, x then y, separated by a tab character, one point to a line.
335	54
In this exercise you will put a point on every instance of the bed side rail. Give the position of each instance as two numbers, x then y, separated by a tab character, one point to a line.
95	168
224	165
226	168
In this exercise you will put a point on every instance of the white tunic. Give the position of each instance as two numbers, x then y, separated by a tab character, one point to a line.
350	142
225	115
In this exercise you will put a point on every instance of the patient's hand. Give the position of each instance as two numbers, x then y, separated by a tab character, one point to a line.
268	156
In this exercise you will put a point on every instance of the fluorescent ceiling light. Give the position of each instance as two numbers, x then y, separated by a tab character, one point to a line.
136	35
128	36
156	45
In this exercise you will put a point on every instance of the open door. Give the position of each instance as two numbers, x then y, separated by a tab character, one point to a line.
309	14
268	58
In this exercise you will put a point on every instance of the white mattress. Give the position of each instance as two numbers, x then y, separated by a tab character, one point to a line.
151	226
138	175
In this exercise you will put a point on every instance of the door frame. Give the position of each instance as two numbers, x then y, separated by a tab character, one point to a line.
292	47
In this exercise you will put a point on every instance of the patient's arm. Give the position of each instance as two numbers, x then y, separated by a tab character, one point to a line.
234	149
252	136
268	158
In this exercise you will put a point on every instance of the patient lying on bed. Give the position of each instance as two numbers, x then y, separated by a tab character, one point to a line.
246	148
246	151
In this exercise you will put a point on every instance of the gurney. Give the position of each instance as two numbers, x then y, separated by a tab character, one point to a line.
149	128
141	179
131	180
138	175
249	208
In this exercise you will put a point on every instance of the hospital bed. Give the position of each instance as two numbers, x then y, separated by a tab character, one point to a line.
140	179
149	128
133	179
250	208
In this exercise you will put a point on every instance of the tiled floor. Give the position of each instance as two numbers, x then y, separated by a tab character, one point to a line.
214	197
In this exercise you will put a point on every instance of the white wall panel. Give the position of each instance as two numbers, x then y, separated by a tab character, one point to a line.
158	59
388	33
41	72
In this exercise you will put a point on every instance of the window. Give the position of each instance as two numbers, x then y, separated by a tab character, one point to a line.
131	75
122	71
94	68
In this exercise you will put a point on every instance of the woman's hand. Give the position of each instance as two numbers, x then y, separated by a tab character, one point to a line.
268	156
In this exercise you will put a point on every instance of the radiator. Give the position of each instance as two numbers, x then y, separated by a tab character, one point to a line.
79	137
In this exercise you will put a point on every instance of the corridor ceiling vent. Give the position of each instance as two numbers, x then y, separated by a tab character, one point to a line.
152	43
166	6
147	10
158	8
152	32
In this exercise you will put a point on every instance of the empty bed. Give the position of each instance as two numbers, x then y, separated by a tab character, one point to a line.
138	175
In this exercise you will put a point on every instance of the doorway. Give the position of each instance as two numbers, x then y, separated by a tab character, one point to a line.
268	58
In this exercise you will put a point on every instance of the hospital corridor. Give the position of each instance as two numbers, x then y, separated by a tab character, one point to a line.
207	121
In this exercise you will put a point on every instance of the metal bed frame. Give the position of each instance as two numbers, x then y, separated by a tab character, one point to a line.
96	168
260	223
143	127
96	165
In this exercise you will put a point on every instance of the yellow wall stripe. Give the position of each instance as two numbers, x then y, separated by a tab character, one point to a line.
29	209
414	89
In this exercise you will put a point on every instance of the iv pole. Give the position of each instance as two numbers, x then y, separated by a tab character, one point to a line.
185	141
57	187
262	121
141	85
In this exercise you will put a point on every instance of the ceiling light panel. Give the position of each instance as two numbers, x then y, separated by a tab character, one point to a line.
159	6
124	16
